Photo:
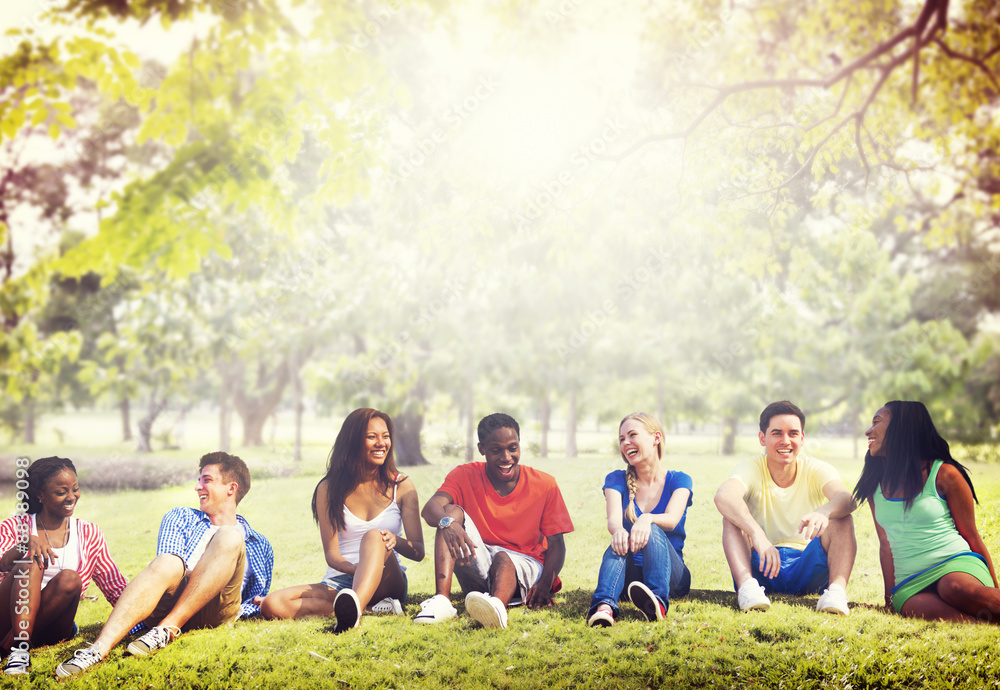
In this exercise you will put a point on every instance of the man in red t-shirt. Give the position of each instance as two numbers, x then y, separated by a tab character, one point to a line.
500	531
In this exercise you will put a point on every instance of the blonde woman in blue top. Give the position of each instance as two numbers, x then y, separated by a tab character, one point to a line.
934	563
646	506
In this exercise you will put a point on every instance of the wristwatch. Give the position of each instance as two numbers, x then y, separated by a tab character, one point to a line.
445	521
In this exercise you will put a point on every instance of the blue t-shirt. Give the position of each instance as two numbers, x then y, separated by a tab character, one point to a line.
675	480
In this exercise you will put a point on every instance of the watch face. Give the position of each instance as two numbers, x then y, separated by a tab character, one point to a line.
445	521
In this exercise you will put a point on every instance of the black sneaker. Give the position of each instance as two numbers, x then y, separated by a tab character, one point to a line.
644	600
347	609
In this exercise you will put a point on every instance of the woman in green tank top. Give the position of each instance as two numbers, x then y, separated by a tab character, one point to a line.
934	563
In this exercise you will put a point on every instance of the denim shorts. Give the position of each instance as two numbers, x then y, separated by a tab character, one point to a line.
345	581
802	572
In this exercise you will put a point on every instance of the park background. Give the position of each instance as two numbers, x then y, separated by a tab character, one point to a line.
226	223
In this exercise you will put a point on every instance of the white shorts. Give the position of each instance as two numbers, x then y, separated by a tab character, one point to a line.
475	576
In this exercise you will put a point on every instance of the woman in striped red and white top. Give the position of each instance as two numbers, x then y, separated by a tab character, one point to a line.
48	559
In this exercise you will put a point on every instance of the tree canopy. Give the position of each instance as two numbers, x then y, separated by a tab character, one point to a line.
692	208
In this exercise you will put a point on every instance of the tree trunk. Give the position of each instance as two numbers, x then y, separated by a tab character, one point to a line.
225	417
855	429
660	406
729	425
470	423
124	404
296	403
253	426
178	430
255	408
29	420
144	441
227	374
571	426
407	426
126	411
546	424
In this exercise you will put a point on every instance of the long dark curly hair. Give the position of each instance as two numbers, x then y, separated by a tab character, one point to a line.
910	440
345	468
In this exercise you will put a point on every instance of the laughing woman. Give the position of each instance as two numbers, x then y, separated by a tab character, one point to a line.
647	506
363	506
934	563
49	558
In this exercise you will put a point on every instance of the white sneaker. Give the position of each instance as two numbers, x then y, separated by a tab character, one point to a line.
388	605
18	662
82	660
436	609
157	638
488	611
752	598
834	600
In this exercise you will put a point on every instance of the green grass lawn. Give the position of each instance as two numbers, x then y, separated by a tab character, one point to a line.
704	642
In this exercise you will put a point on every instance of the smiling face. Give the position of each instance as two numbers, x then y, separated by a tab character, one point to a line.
59	496
213	491
636	443
502	450
876	433
377	442
782	441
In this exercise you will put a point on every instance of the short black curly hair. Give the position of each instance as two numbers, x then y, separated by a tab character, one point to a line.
492	422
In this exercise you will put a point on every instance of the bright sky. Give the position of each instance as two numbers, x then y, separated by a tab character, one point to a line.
535	101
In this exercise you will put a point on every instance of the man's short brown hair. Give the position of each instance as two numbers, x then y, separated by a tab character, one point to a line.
232	469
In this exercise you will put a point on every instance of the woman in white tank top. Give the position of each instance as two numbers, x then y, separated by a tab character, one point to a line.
363	507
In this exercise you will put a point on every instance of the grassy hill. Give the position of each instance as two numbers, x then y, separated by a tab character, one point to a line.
704	642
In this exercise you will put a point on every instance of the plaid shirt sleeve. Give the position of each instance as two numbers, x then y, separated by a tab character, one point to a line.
260	561
177	533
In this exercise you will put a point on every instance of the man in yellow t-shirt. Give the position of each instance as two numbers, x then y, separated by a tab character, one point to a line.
786	520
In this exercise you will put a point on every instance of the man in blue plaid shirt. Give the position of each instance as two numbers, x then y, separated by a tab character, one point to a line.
209	568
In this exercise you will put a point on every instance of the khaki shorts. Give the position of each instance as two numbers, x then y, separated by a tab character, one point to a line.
475	576
222	609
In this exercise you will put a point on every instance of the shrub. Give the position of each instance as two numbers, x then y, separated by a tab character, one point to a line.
453	446
976	452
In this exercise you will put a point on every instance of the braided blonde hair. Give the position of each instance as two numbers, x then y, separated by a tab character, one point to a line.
652	425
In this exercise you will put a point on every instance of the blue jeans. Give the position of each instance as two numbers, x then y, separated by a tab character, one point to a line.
662	570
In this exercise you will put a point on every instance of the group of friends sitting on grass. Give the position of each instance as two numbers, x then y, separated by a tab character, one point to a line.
499	528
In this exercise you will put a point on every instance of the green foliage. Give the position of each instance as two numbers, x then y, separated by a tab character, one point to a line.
280	221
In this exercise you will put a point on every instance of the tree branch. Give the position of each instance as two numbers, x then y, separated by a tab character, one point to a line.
922	31
981	64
